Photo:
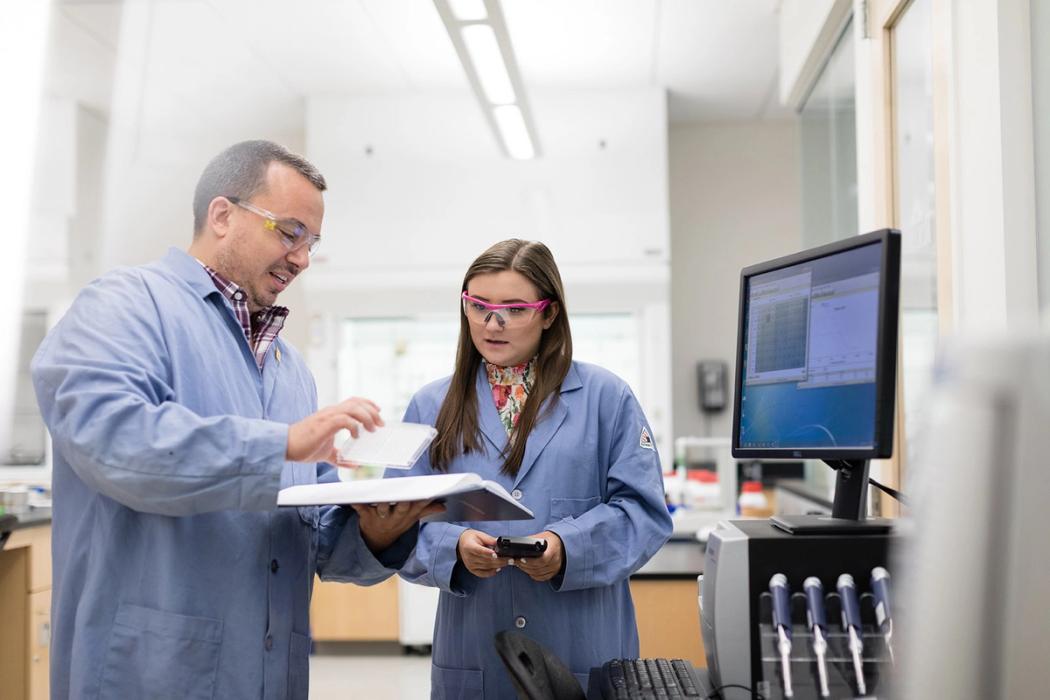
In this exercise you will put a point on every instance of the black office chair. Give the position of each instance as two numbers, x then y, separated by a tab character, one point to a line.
536	673
7	524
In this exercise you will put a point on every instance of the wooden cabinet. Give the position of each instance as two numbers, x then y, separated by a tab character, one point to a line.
343	612
668	617
25	609
39	644
14	612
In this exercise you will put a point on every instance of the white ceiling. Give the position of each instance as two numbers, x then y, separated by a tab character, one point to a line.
717	59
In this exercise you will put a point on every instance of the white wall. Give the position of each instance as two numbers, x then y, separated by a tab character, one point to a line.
22	48
735	201
419	187
992	168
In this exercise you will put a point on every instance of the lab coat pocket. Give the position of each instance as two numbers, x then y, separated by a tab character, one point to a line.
456	683
157	654
562	508
299	667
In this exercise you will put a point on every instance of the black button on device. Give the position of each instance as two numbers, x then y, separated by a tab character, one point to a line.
274	566
268	642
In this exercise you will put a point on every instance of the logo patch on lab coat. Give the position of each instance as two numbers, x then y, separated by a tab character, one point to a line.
646	440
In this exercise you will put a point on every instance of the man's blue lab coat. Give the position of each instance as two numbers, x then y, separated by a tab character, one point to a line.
175	575
591	474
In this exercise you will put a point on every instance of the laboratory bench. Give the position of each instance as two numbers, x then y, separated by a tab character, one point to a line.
664	591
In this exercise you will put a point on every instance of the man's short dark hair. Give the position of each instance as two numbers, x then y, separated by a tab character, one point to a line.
240	171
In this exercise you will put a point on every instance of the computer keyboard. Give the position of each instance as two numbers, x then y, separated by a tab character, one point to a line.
628	679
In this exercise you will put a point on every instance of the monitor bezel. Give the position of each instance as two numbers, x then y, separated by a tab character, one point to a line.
885	352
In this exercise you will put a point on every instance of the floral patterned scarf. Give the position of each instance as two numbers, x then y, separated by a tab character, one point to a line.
510	388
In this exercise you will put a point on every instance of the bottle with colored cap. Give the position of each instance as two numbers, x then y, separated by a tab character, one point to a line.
702	490
753	502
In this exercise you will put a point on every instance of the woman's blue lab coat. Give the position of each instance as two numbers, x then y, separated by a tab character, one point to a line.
590	475
175	574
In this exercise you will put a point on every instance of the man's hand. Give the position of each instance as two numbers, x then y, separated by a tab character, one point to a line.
310	440
383	523
546	566
477	552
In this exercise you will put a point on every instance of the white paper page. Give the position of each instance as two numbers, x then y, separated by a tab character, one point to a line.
395	444
409	488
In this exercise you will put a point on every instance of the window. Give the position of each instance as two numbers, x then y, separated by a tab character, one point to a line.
390	359
915	204
28	435
827	124
828	130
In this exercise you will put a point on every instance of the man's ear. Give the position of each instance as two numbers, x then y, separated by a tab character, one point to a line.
219	212
552	313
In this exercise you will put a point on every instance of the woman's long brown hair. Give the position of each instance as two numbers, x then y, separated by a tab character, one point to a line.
457	421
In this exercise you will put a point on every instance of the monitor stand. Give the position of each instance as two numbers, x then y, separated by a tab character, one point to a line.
847	511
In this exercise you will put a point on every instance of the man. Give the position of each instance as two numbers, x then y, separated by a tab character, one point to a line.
177	413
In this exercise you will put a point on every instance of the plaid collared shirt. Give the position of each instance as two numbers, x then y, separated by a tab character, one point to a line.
268	322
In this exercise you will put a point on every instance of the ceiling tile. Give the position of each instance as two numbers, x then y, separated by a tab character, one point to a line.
593	43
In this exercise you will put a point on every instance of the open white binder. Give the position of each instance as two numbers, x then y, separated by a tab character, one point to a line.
467	497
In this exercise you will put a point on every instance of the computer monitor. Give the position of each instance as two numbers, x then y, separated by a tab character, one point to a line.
816	367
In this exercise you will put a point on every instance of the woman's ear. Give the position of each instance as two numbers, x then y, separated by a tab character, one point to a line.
551	313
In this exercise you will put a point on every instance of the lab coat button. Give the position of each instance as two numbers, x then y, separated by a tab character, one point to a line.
268	643
517	494
519	622
274	566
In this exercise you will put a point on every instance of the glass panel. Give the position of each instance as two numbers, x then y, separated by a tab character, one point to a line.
827	124
28	434
914	202
1041	123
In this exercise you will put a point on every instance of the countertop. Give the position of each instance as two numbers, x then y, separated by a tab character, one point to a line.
805	490
682	558
31	518
677	559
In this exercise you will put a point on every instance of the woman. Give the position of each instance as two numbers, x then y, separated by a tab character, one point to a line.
570	442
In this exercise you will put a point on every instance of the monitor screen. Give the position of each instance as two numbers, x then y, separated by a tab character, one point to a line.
817	346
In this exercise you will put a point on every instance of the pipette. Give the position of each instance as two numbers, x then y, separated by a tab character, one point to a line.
778	587
851	623
818	625
880	588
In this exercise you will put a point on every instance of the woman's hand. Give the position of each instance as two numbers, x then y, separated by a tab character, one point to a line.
546	566
477	552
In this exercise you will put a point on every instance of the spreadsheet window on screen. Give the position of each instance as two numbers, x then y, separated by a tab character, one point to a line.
810	353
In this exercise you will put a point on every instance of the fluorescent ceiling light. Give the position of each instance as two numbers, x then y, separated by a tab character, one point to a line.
468	10
482	43
492	73
512	128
